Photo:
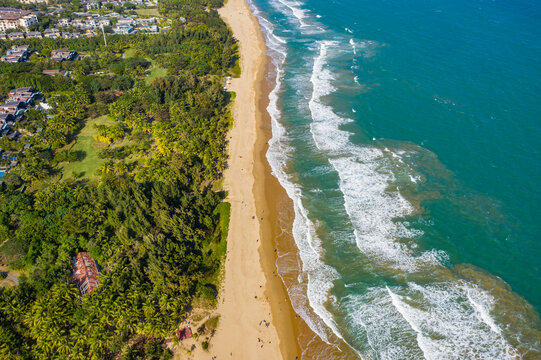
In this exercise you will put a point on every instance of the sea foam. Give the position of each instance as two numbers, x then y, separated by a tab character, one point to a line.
449	319
316	278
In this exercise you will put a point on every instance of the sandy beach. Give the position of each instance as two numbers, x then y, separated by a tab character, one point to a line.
253	324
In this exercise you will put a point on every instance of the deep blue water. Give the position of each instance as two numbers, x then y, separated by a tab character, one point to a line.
408	135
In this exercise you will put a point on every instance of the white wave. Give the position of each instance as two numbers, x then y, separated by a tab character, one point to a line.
449	325
383	332
316	278
364	182
298	12
275	43
307	22
450	321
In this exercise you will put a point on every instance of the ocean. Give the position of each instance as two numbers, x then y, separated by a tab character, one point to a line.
408	136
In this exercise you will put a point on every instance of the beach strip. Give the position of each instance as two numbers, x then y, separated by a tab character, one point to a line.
250	326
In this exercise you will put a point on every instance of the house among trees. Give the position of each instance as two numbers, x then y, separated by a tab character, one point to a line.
124	29
52	33
6	121
17	54
63	55
14	108
25	95
55	72
85	272
16	36
33	35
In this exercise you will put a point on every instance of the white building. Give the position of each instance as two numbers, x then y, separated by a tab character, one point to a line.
64	22
15	18
33	1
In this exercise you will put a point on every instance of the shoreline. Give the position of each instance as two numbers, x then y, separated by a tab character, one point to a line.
256	317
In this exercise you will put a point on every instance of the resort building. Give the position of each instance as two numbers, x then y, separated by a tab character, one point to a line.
15	108
16	36
52	33
15	18
16	54
85	272
33	1
6	121
24	95
63	55
33	35
126	21
124	29
64	22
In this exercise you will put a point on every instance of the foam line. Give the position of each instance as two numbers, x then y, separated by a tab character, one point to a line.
449	319
316	276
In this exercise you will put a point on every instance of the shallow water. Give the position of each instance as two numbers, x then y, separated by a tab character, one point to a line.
407	137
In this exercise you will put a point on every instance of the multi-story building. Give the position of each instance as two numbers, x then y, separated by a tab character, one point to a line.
33	35
15	18
126	21
22	95
16	54
63	55
16	36
92	5
124	29
52	33
64	22
33	1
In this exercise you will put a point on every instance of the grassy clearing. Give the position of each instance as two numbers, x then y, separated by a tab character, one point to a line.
86	142
148	12
11	252
235	71
156	72
224	211
130	53
215	254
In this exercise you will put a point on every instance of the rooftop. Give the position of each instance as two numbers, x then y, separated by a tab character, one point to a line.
13	14
85	272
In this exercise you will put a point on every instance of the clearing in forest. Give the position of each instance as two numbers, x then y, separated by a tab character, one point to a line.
86	142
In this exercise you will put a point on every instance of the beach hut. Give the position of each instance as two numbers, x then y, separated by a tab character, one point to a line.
184	333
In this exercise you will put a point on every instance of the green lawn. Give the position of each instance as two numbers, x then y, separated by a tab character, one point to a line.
148	12
235	71
85	142
155	72
130	53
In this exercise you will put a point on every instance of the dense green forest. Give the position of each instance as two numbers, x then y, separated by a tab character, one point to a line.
151	214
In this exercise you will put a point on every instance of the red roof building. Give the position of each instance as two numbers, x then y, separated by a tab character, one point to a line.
185	333
85	272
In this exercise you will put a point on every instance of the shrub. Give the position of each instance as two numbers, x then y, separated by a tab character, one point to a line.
12	179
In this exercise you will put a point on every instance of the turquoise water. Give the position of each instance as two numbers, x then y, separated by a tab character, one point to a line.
407	134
